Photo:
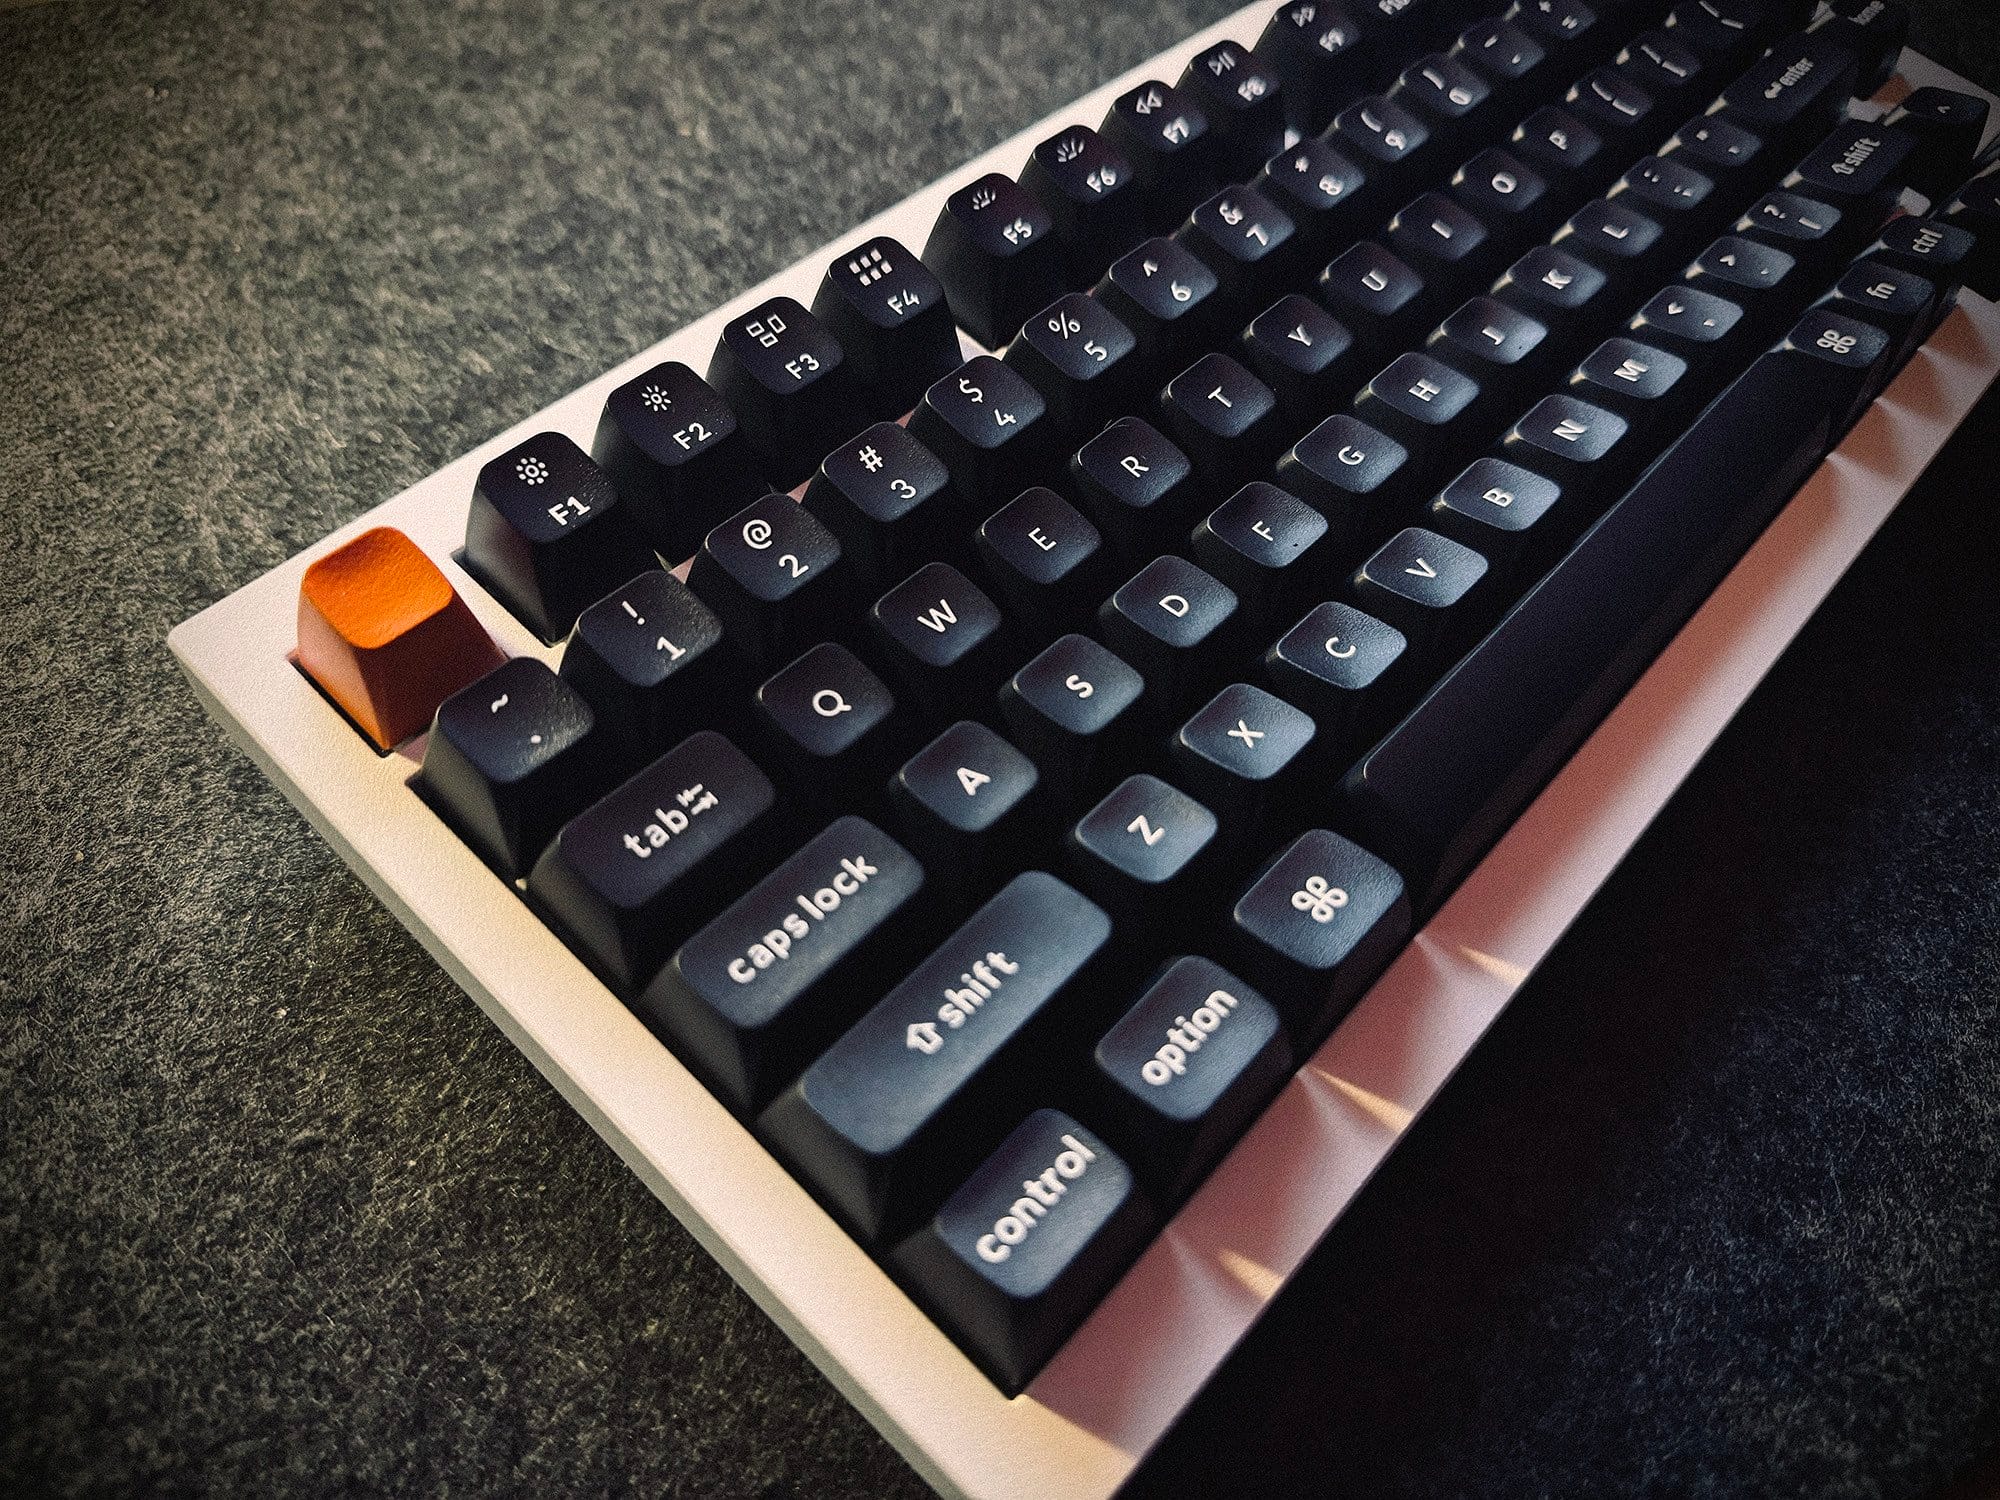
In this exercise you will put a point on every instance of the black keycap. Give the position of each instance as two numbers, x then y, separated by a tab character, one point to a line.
1437	236
1757	277
1580	446
1021	1253
1498	345
1664	67
749	999
1072	709
1140	852
1685	321
649	659
1509	196
1860	350
1165	135
1383	136
1136	484
1932	248
1794	221
1249	242
1859	168
547	535
1423	403
898	1108
1555	142
1323	191
1797	90
509	759
1445	93
888	500
1314	930
1506	56
889	314
1244	101
1080	358
1719	147
1551	285
1295	346
672	448
995	250
1495	508
1616	236
1245	753
1727	32
942	639
1047	563
1342	667
772	575
1348	472
1563	26
986	423
1425	585
1374	294
1667	191
1900	303
1186	1070
1312	48
1950	125
1875	30
1091	192
1260	543
1225	419
967	803
787	380
1633	380
1611	102
1165	294
1171	621
833	722
633	874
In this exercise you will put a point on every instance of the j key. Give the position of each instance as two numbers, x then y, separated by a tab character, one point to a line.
942	638
900	1105
888	313
833	722
886	498
1497	509
1796	91
1950	125
1375	295
1165	135
547	535
1316	928
1686	322
967	802
1138	486
1508	58
1859	168
1438	237
995	250
649	659
1932	248
1875	30
635	873
1510	197
1499	346
1080	357
1225	419
673	450
1091	192
1385	138
1019	1255
1072	709
1186	1070
1423	403
1244	102
1296	348
1555	142
1165	294
1260	543
1633	380
772	575
1325	193
751	997
1580	446
1141	852
1047	563
1249	242
509	759
1314	49
1244	753
1426	586
1172	621
1342	667
1666	68
787	380
1349	472
1445	93
986	423
1612	103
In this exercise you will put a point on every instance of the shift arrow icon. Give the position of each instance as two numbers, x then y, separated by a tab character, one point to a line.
923	1037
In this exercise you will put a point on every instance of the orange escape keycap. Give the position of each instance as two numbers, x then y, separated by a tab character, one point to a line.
383	632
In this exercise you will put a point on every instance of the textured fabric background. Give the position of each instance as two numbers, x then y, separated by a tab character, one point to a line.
1713	1211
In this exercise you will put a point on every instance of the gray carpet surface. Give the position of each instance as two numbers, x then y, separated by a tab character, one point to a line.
280	1212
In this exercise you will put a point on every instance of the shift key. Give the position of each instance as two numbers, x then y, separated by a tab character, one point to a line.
895	1114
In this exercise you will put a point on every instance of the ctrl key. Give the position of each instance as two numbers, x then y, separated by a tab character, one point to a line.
1017	1258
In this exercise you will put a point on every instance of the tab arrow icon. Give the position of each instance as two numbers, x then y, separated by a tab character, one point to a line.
923	1037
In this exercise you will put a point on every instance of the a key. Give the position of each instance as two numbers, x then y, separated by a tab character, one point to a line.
995	250
1072	708
1726	32
385	636
751	997
547	535
1138	486
673	449
1186	1069
833	722
967	804
1172	621
1722	149
1499	510
772	575
1225	419
649	659
1018	1256
1244	101
1803	227
1314	930
1080	357
1426	586
1900	303
1617	237
901	1105
1312	47
986	423
1668	192
1553	287
889	314
633	874
1045	560
942	638
1296	348
1260	542
1091	194
1348	472
787	380
1250	243
1165	294
1975	208
1140	852
1245	753
887	499
1165	135
509	759
1341	666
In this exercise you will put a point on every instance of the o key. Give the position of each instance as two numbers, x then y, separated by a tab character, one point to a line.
385	635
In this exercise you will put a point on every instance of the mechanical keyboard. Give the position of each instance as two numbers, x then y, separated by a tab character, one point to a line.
1003	767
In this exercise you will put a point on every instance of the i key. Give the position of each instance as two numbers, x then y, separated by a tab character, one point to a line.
889	315
995	250
772	575
673	450
787	380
